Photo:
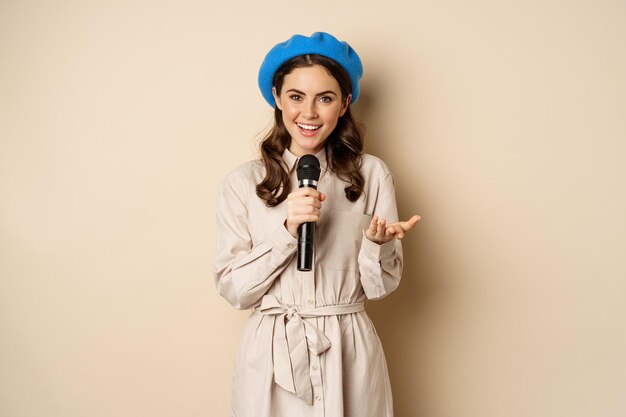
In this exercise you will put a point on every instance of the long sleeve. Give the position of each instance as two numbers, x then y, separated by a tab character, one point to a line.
244	272
381	265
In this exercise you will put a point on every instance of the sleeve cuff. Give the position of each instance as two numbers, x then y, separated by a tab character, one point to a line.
375	251
282	242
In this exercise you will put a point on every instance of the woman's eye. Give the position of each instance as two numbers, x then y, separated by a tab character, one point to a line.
295	97
326	99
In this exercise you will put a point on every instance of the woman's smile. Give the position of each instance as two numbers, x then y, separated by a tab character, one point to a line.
308	129
311	105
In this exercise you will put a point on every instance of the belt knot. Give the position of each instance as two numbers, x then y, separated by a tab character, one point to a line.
294	338
291	311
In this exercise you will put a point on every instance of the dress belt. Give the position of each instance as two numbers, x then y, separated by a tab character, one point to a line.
294	337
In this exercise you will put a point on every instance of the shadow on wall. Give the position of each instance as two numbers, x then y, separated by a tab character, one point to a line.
402	318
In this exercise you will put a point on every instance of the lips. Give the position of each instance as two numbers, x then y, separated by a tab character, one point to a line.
308	130
308	127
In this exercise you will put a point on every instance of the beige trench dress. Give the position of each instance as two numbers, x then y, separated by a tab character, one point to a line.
308	349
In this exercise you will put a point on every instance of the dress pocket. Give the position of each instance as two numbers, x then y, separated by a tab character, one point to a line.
339	238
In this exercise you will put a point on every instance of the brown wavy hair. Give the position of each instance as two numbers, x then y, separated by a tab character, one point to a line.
344	146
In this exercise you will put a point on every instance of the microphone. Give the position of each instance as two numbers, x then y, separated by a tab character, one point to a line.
308	172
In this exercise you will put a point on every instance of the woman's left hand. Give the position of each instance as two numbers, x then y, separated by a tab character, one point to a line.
380	232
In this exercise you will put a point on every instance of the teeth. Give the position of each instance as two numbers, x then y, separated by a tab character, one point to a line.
308	127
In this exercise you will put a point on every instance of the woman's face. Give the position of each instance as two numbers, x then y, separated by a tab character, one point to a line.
311	104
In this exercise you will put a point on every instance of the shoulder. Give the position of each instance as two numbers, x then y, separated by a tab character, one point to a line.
245	171
374	167
243	178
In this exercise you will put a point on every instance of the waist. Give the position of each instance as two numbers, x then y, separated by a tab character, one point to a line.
293	338
272	305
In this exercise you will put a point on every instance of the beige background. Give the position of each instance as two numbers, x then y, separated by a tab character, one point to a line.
503	123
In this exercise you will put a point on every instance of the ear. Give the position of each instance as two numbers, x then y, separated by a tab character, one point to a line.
345	105
277	99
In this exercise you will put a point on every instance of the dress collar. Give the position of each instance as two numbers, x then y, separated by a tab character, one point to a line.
291	159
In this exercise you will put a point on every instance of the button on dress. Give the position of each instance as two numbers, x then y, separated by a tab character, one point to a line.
308	349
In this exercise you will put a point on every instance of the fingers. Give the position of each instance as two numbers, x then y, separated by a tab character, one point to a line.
306	196
308	192
407	225
412	221
397	229
303	206
371	230
306	209
378	231
381	230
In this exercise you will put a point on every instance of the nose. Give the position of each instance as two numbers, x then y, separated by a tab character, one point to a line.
309	111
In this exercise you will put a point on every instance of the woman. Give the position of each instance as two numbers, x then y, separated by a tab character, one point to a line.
309	348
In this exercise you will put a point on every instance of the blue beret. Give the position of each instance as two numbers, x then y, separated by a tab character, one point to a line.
318	43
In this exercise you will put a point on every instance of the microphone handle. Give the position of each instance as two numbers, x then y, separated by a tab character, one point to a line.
306	234
306	238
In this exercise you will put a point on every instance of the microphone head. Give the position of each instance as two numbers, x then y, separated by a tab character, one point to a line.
308	168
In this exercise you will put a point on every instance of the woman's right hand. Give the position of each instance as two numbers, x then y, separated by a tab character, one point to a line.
303	206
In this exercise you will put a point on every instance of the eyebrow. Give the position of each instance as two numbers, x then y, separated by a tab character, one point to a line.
319	94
